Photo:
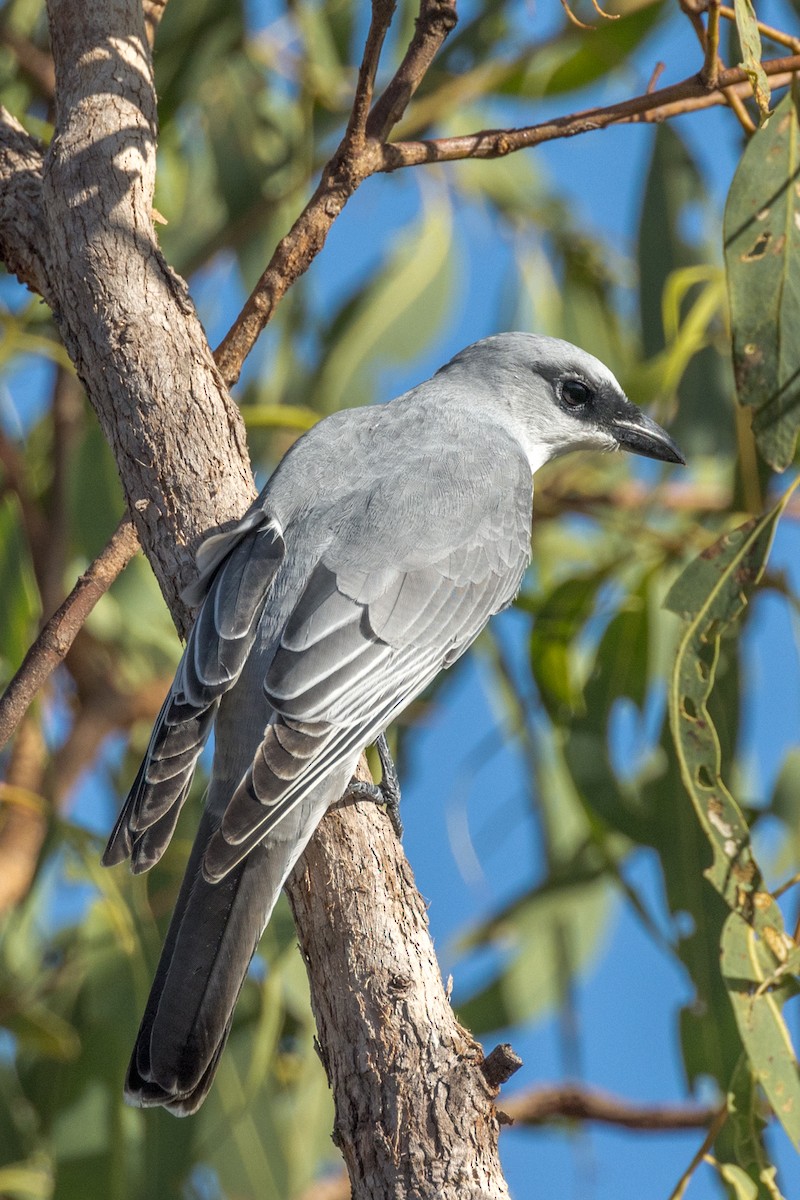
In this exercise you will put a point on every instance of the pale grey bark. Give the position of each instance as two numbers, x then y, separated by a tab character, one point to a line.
415	1114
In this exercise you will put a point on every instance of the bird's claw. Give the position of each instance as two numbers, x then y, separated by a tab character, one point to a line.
387	792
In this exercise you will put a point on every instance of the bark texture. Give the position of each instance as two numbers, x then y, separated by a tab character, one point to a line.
126	318
415	1116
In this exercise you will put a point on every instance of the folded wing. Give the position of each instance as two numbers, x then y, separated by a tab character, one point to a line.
366	636
237	569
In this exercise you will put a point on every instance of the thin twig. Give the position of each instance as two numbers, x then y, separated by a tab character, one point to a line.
576	1103
356	158
35	63
437	18
356	133
768	31
59	633
569	1102
710	72
711	65
679	98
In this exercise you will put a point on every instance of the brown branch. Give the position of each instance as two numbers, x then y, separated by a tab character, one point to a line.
712	63
356	158
654	106
437	18
23	241
356	132
565	1102
153	12
572	1102
35	63
61	630
23	815
708	37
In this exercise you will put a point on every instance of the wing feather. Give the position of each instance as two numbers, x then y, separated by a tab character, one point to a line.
237	573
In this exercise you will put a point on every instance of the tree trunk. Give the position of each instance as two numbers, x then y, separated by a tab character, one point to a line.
415	1114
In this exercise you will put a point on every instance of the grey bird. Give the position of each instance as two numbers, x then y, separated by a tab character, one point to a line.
381	546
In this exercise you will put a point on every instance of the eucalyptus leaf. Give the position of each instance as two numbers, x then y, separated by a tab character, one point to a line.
762	255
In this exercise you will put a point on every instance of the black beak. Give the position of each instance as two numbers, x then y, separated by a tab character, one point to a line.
641	435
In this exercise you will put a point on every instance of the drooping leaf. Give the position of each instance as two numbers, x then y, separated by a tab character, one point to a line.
762	256
712	592
750	41
758	996
746	1123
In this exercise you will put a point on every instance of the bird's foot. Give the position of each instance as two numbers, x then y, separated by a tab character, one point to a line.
387	792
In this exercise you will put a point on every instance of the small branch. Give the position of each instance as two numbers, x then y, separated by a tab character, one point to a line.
575	1103
356	133
653	106
35	63
500	1065
547	1105
437	18
357	157
61	630
23	240
711	65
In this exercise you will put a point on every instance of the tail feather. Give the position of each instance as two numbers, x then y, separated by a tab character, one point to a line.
151	809
212	937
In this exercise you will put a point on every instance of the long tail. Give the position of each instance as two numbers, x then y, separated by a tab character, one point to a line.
211	939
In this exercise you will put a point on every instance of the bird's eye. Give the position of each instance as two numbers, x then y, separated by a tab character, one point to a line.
574	393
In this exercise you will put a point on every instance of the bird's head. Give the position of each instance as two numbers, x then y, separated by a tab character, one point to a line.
555	398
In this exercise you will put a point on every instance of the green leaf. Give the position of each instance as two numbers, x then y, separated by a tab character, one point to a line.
762	256
279	416
603	48
712	592
752	1175
750	41
26	1181
550	935
17	588
401	312
748	968
559	621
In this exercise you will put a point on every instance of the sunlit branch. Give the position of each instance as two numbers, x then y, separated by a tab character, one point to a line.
354	161
60	631
670	101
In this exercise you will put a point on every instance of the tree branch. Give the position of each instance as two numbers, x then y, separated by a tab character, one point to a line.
180	449
23	241
60	631
125	317
565	1102
356	158
654	106
437	18
573	1102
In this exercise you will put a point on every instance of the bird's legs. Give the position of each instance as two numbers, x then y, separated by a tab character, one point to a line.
387	792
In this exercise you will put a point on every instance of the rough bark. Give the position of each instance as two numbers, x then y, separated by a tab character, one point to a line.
126	318
415	1117
415	1114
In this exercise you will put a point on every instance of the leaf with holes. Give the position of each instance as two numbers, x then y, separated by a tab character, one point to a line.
747	965
762	259
712	593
